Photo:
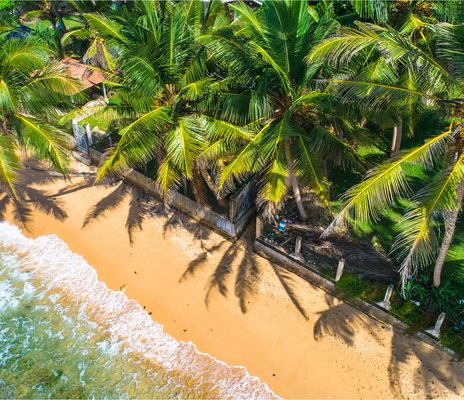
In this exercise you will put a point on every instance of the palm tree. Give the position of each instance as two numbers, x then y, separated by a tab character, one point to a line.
32	89
98	51
270	87
161	83
415	22
405	75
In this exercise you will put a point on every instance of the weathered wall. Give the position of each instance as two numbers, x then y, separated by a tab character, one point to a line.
243	201
202	214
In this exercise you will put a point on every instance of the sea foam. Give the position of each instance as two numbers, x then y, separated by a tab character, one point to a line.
70	281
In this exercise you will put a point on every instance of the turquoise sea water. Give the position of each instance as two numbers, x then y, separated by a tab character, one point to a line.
64	334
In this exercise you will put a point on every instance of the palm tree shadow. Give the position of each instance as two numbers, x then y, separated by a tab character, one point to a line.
176	219
27	198
246	274
343	321
141	207
434	366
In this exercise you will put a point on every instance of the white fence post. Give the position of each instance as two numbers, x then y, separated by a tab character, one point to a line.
385	303
259	227
297	253
341	265
435	331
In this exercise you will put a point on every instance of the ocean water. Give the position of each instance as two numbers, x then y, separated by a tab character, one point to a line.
64	334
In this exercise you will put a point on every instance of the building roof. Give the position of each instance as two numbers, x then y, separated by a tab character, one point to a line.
89	76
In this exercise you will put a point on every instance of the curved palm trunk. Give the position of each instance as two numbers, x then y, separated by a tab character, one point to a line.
450	226
294	182
212	186
396	140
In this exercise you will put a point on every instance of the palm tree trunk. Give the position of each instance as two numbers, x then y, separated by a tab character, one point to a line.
396	140
212	186
450	226
294	182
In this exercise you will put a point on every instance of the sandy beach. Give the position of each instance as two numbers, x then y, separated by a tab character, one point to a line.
231	303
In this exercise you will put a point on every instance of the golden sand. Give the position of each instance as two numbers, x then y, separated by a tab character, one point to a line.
233	304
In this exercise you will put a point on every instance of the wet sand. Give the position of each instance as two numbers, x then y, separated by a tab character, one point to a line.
232	304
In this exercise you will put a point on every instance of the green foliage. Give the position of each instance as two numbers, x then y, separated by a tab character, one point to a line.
396	69
409	313
448	297
296	93
352	286
32	84
300	127
6	5
453	340
159	97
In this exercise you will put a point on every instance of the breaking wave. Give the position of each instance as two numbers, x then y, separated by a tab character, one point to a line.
64	333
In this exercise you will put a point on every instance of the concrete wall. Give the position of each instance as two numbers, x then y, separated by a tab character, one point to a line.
202	214
243	201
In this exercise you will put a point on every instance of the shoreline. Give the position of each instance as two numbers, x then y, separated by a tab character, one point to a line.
234	305
179	361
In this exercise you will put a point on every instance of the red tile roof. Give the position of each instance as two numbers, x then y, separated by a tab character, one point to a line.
89	76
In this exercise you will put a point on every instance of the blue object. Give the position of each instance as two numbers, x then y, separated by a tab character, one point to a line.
282	226
21	32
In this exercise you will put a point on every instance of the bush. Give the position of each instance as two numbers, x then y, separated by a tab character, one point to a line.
410	314
6	5
453	340
448	297
353	286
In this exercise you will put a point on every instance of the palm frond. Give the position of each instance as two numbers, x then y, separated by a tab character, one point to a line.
106	27
417	243
46	141
273	182
81	34
138	142
386	183
9	161
375	9
6	98
183	143
247	161
307	169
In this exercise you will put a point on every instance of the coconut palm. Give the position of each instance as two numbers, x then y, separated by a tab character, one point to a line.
161	81
405	75
397	12
415	22
98	51
269	86
32	90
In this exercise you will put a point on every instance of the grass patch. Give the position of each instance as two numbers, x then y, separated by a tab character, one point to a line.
410	314
453	340
102	123
327	272
352	286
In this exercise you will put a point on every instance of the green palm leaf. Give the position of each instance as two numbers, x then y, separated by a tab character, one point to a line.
137	143
46	141
417	241
386	183
9	161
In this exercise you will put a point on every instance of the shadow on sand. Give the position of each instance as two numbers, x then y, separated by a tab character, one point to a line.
343	321
238	261
27	198
141	207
